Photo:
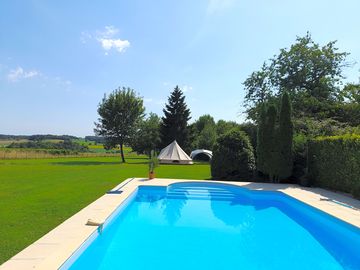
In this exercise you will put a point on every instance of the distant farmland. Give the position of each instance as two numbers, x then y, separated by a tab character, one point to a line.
94	150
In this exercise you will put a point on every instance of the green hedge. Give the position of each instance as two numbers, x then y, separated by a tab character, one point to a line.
334	162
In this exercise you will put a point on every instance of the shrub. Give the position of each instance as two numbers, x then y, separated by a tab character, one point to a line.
334	162
233	157
300	155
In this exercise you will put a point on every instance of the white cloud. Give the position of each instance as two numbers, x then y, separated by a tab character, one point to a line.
107	38
62	82
109	32
19	73
165	83
215	6
31	73
57	83
117	44
186	88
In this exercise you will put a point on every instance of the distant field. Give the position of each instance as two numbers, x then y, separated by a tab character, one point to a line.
38	194
4	143
95	150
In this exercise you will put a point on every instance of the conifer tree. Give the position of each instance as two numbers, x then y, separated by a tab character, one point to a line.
174	124
261	141
270	142
285	137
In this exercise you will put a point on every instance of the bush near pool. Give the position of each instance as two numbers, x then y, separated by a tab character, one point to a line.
233	157
334	162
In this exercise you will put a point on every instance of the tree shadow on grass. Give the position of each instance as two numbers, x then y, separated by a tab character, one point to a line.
94	163
85	163
138	158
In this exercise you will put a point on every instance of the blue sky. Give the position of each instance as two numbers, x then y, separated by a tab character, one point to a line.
58	58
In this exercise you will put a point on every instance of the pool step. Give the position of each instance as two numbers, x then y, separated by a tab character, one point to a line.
199	193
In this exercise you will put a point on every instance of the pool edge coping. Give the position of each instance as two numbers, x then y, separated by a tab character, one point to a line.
53	249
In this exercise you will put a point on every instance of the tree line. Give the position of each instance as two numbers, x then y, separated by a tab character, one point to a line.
323	103
122	122
37	137
43	144
297	95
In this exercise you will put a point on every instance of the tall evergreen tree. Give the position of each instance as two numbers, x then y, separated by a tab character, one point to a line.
174	124
284	139
270	142
261	141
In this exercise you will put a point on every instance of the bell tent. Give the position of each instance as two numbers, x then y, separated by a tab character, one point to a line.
173	154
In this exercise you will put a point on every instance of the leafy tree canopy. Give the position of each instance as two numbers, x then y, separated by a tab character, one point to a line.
147	136
351	93
223	126
120	114
310	73
203	132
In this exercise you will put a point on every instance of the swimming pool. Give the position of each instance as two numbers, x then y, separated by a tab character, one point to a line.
216	226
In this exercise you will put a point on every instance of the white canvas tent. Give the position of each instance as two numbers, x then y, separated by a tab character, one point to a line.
173	154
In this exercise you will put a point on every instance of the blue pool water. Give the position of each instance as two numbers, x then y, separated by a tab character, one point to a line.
214	226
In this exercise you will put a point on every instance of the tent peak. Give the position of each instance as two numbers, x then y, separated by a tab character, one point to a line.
174	154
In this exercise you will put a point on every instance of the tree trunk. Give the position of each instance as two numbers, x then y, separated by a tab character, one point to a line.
122	153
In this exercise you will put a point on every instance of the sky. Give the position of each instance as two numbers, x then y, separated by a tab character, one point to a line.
59	58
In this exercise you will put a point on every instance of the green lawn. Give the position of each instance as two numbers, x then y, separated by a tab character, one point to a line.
38	194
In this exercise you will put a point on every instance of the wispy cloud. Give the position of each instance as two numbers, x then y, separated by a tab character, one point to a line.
19	73
108	39
108	32
62	81
215	6
186	88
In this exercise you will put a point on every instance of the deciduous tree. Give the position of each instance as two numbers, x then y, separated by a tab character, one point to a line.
147	135
204	132
120	113
309	72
